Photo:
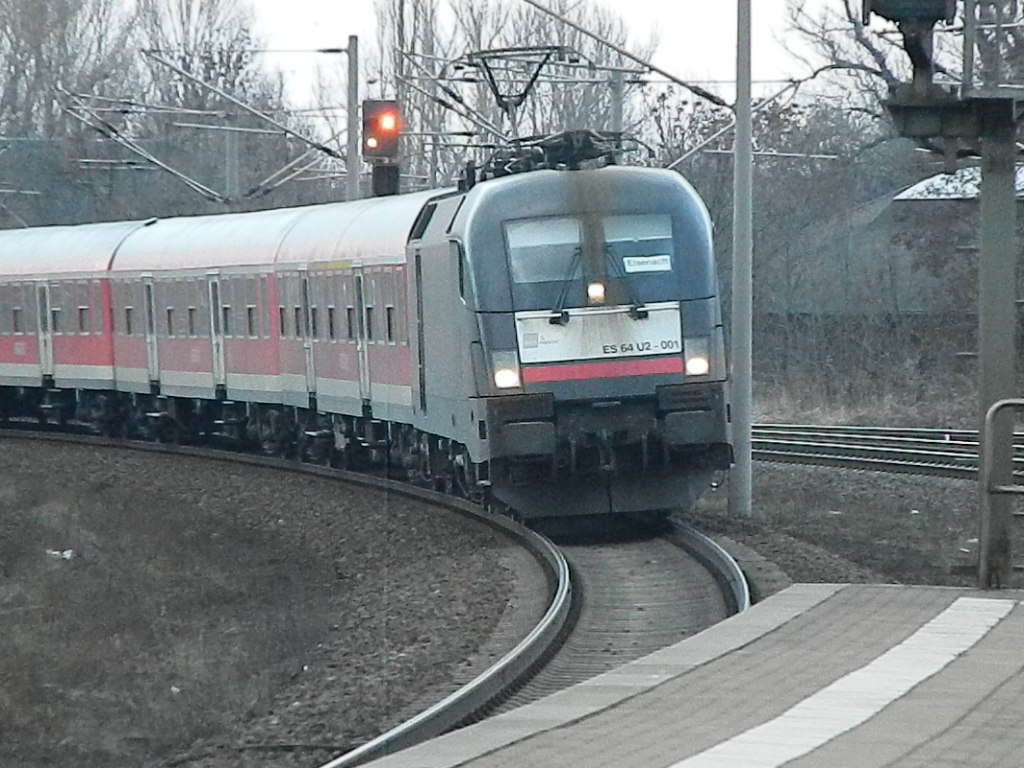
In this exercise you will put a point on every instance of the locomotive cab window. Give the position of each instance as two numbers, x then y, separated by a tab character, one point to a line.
544	250
639	243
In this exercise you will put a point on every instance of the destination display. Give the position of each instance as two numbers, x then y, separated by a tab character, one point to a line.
592	333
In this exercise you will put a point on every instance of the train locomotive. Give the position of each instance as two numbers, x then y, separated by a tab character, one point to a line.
551	339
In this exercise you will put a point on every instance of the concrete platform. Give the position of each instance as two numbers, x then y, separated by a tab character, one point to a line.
815	676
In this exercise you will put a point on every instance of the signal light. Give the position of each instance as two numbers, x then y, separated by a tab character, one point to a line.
382	127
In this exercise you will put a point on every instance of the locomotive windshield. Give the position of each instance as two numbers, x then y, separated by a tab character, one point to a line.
640	242
544	250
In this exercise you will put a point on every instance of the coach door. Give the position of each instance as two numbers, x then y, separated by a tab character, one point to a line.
362	338
216	329
152	361
44	330
307	337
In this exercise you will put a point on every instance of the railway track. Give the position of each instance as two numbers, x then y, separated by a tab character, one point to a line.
938	452
625	598
636	594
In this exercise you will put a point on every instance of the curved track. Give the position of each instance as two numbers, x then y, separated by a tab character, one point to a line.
636	595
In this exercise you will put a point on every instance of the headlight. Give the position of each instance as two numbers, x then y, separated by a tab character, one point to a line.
698	356
595	293
506	370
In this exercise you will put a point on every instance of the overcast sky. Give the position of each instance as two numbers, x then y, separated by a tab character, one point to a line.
697	37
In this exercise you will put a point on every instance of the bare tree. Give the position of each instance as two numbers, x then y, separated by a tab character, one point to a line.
428	60
78	45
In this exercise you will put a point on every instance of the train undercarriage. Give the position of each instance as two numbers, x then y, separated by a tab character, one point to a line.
599	472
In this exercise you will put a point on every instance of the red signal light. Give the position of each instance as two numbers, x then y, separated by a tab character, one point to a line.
381	128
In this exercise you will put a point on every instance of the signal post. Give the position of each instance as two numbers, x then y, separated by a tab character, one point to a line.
985	113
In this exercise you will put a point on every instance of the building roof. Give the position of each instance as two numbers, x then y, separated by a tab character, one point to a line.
965	184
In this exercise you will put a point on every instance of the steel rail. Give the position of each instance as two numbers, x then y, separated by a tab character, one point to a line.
476	694
721	564
936	452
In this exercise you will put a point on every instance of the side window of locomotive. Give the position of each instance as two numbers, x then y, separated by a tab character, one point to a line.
422	221
460	265
544	250
640	243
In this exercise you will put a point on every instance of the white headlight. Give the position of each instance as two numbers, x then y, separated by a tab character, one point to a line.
506	378
506	370
595	292
698	366
698	356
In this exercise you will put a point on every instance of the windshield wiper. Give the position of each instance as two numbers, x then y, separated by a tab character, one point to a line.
559	315
637	311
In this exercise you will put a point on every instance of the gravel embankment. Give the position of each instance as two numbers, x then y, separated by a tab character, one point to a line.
160	612
826	525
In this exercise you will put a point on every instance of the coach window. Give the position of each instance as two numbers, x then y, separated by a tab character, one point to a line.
298	323
225	315
250	319
369	323
350	323
282	316
55	322
83	319
191	321
331	328
170	321
313	328
17	321
389	317
128	320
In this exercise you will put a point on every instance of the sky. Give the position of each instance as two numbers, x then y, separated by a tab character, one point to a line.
697	37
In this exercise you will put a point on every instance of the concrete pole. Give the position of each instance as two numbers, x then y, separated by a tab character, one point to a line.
231	176
740	479
997	321
618	96
353	162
